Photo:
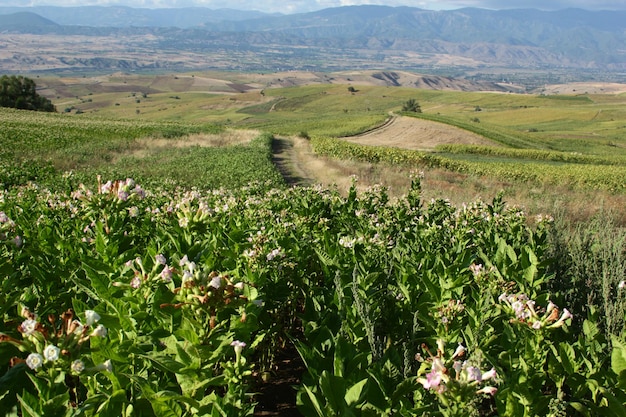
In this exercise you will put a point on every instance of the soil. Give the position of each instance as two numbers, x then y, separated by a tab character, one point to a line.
417	134
300	166
277	396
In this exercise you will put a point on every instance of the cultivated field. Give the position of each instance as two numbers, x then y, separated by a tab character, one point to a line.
160	255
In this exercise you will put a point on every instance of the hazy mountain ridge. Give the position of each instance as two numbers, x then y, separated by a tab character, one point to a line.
380	35
122	16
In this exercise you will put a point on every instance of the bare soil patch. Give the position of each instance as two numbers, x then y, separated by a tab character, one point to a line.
418	134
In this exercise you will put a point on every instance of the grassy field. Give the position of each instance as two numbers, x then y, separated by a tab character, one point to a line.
567	137
179	290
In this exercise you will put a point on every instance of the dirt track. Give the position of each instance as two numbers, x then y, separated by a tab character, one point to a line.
300	166
417	134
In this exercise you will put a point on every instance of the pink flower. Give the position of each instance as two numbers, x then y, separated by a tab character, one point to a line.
135	282
166	274
432	381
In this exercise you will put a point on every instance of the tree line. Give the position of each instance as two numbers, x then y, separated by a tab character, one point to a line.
19	92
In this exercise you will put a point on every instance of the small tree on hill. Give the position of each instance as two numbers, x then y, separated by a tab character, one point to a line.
20	93
412	105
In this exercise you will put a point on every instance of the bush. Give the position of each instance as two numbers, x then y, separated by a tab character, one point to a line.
412	105
20	93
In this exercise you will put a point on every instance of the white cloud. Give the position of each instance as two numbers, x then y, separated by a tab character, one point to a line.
310	5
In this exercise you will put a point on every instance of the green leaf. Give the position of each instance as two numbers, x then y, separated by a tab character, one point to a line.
567	357
165	363
617	407
314	402
334	390
355	392
27	409
99	282
618	356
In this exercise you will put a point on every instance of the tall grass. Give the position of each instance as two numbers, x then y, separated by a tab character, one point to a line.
590	269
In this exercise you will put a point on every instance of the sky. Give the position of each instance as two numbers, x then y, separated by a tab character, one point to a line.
302	6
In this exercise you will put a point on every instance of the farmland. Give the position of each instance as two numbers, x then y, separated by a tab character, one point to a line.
155	263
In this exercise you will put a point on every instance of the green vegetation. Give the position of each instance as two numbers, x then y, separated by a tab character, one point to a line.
42	146
117	300
21	93
412	106
178	298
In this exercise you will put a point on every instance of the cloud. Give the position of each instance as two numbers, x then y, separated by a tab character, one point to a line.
299	6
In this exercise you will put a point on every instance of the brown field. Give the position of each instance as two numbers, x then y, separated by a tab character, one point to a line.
418	134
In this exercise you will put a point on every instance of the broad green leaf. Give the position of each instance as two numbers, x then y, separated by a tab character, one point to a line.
314	402
26	408
355	392
334	390
618	356
568	357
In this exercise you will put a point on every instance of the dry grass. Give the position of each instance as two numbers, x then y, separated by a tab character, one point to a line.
418	134
577	206
144	147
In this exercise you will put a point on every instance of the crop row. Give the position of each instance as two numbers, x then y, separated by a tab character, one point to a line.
118	300
584	176
532	154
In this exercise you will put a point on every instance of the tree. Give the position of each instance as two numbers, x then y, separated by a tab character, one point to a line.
412	105
20	92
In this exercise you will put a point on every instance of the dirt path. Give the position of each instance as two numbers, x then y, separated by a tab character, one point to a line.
300	166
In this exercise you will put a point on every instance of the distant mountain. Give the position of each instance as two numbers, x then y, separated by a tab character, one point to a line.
26	21
358	36
121	16
564	36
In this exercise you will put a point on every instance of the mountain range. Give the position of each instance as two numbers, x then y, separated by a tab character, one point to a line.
358	36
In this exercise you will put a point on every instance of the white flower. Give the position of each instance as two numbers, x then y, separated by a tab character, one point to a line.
135	282
249	253
487	390
166	274
99	331
77	366
474	374
34	361
216	282
51	353
564	316
460	351
133	211
273	254
91	317
621	285
476	269
29	327
489	374
160	259
441	345
105	366
78	327
238	346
